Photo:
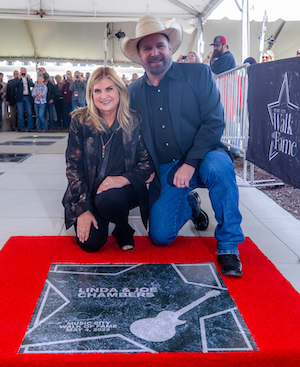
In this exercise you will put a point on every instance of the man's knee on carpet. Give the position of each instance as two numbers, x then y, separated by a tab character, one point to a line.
160	237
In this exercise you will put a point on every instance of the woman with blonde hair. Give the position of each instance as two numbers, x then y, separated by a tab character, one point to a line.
107	164
192	56
268	56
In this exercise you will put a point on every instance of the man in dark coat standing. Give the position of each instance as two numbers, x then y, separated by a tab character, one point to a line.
11	100
182	123
51	93
23	87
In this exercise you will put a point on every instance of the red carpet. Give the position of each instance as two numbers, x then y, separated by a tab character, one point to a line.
267	302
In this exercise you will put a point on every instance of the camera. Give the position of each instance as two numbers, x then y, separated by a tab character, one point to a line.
184	57
77	76
23	74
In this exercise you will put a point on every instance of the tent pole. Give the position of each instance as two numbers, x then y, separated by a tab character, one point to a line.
112	47
245	30
200	42
105	43
262	36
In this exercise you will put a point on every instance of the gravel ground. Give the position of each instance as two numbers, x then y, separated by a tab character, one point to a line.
286	196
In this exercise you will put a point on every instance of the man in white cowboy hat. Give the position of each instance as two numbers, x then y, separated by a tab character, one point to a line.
182	122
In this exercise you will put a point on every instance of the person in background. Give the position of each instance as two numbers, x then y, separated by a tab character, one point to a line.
87	76
67	99
125	81
298	52
58	101
224	60
134	77
268	56
51	93
11	100
23	85
192	56
78	88
107	165
182	123
3	87
39	93
250	60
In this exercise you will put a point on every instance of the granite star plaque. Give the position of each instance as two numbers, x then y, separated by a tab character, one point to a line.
104	308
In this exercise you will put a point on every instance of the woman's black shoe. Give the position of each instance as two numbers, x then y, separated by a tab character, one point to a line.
124	239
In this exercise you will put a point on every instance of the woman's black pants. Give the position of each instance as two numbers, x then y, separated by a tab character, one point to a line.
111	206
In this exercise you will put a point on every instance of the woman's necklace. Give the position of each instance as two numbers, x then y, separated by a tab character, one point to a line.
105	145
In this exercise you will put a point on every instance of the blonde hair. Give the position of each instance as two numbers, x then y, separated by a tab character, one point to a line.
91	116
270	53
196	55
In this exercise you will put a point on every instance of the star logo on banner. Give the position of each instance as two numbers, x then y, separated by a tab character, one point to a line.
281	113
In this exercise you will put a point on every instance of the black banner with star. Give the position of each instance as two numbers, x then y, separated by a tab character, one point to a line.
274	117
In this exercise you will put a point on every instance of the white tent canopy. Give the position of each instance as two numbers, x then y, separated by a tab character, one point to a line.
288	10
65	30
74	30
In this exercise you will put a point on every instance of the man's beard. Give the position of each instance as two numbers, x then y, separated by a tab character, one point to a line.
157	69
217	54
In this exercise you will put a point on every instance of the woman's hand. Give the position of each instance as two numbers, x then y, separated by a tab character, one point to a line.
151	178
84	222
112	182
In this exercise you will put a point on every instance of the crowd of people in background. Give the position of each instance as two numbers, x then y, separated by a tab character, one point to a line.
46	105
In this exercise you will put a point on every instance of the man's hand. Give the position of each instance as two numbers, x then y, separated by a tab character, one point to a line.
84	222
183	176
112	182
42	70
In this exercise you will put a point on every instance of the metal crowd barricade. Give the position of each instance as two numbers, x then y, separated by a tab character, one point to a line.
233	86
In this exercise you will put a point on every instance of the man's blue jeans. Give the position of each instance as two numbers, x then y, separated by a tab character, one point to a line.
172	209
76	104
67	117
27	104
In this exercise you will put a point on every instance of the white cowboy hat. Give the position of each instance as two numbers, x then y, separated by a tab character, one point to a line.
146	26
